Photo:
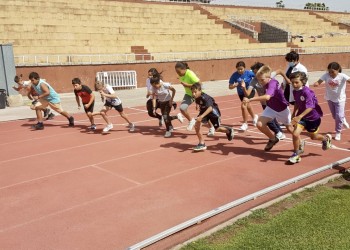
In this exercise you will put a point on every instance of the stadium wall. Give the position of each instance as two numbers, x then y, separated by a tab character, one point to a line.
60	76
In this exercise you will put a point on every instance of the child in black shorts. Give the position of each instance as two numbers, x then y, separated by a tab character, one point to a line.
208	111
87	98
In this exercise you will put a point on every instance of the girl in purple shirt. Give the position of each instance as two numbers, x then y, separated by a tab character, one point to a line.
306	115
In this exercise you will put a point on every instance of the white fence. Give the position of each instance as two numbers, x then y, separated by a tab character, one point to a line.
118	79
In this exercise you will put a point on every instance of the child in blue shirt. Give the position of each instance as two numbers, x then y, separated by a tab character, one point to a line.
240	80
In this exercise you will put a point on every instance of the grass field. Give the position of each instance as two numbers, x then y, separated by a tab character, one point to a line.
318	218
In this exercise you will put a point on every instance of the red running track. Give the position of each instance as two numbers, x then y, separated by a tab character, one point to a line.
67	188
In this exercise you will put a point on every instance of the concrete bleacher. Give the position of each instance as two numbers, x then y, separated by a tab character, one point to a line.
297	22
102	27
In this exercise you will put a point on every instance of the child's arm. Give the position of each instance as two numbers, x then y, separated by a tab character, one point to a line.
257	98
233	85
209	109
108	95
16	88
297	119
78	101
280	72
316	84
173	92
295	110
46	91
92	99
154	102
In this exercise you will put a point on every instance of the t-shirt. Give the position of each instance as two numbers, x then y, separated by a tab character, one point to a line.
84	93
149	86
335	87
190	78
247	77
297	68
277	101
254	84
162	94
305	98
53	97
109	90
204	102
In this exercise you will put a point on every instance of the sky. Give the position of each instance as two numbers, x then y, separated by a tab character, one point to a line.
334	5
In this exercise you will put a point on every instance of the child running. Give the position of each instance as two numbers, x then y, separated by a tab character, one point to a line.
306	115
47	96
149	105
335	95
87	98
187	79
110	100
208	111
240	80
276	106
254	84
161	93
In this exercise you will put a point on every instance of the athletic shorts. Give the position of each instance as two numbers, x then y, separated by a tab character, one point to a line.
55	106
250	96
119	107
310	126
213	117
284	116
186	101
89	109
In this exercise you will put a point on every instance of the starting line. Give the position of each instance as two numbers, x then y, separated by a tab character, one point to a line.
221	209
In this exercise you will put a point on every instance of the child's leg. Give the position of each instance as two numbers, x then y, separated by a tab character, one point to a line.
250	110
339	116
331	108
149	106
125	117
296	138
186	102
262	126
274	126
165	109
91	118
103	113
244	112
198	126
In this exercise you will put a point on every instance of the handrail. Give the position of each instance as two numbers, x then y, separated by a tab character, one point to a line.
92	59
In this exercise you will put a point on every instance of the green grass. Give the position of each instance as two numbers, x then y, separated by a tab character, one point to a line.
317	218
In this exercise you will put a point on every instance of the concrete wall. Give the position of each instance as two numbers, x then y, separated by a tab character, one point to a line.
60	76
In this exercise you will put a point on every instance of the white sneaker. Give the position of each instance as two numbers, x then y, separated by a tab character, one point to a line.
107	128
281	135
161	121
167	134
255	120
191	124
211	131
337	137
180	117
345	123
131	127
244	127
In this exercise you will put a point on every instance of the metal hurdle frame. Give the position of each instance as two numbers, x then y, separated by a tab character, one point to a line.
118	79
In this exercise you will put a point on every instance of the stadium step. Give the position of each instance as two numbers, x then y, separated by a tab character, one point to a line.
341	27
224	24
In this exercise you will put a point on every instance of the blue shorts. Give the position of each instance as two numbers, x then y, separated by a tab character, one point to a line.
310	126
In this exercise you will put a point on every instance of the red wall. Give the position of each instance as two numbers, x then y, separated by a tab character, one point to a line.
60	77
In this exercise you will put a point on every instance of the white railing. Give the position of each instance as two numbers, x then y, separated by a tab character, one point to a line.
118	79
42	60
181	1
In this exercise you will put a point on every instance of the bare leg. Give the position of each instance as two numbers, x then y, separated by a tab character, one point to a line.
262	126
244	112
125	117
198	126
250	110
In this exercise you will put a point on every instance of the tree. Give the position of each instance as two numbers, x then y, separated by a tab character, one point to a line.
280	4
316	6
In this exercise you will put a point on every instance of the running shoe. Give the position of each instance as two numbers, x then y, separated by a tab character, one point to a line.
161	122
244	127
92	127
337	137
71	121
180	117
271	143
255	120
46	112
50	116
211	131
200	147
230	134
38	126
107	128
171	128
131	127
345	123
281	136
327	142
191	124
167	134
295	158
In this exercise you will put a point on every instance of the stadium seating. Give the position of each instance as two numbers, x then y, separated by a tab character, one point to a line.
102	27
